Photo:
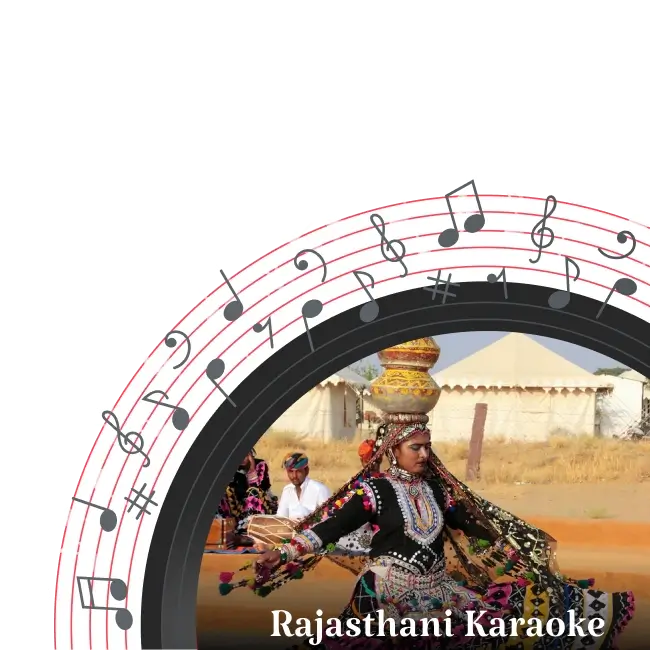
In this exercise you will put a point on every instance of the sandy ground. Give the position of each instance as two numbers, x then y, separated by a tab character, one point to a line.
607	501
615	554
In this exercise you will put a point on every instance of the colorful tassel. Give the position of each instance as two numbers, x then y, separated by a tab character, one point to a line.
226	576
483	543
500	571
225	588
510	565
530	575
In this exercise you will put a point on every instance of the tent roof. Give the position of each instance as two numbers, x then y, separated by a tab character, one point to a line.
516	360
346	376
633	374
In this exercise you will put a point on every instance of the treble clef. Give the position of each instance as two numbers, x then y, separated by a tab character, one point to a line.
380	226
541	229
136	444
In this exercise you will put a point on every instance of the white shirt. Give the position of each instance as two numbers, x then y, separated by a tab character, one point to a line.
312	494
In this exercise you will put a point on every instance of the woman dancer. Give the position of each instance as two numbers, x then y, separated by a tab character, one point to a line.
495	561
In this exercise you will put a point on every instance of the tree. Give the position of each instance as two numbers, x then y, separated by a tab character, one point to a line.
614	372
367	370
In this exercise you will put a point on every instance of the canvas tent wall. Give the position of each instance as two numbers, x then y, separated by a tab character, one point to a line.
327	412
623	408
530	391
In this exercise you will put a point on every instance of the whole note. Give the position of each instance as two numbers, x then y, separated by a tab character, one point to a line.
380	226
560	299
474	223
302	264
107	520
214	371
311	309
180	417
134	447
541	229
235	308
171	342
493	279
621	238
118	591
370	310
624	286
259	327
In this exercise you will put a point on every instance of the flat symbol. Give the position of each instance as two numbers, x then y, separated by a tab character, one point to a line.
369	310
560	299
135	446
118	591
214	371
624	286
311	309
541	230
147	501
493	279
170	342
180	417
444	292
302	265
473	223
258	328
621	238
234	309
107	520
379	225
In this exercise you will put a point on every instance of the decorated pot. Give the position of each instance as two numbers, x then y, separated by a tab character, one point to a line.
406	386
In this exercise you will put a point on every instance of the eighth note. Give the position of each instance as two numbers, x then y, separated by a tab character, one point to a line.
311	309
180	417
493	279
624	286
370	310
473	223
258	328
107	520
170	342
235	308
214	371
135	446
560	299
117	589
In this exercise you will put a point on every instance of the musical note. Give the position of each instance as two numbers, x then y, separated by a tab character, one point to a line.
493	279
370	310
171	342
541	229
560	299
214	371
302	264
180	417
107	520
117	589
136	447
235	308
389	245
624	286
473	223
311	309
621	238
258	328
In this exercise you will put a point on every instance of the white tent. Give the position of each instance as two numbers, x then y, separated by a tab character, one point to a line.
327	412
623	408
530	391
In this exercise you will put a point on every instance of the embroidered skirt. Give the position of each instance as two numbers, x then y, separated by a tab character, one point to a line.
400	595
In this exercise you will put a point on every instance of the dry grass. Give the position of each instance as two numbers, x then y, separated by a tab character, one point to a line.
558	460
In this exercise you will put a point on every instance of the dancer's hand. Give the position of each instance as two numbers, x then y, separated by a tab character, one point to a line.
269	559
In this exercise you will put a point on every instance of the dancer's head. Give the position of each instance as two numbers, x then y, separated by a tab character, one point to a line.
366	451
409	448
297	467
249	461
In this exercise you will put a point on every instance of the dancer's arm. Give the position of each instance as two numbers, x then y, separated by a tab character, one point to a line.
355	509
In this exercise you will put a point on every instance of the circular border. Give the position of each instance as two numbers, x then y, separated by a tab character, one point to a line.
162	590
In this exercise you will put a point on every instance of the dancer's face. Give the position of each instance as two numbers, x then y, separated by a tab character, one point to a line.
412	454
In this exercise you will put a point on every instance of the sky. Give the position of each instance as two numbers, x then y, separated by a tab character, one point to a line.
457	346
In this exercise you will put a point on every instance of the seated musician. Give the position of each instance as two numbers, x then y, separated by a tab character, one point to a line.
249	493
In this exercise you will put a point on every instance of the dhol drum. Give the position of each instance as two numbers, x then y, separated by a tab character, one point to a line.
222	534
